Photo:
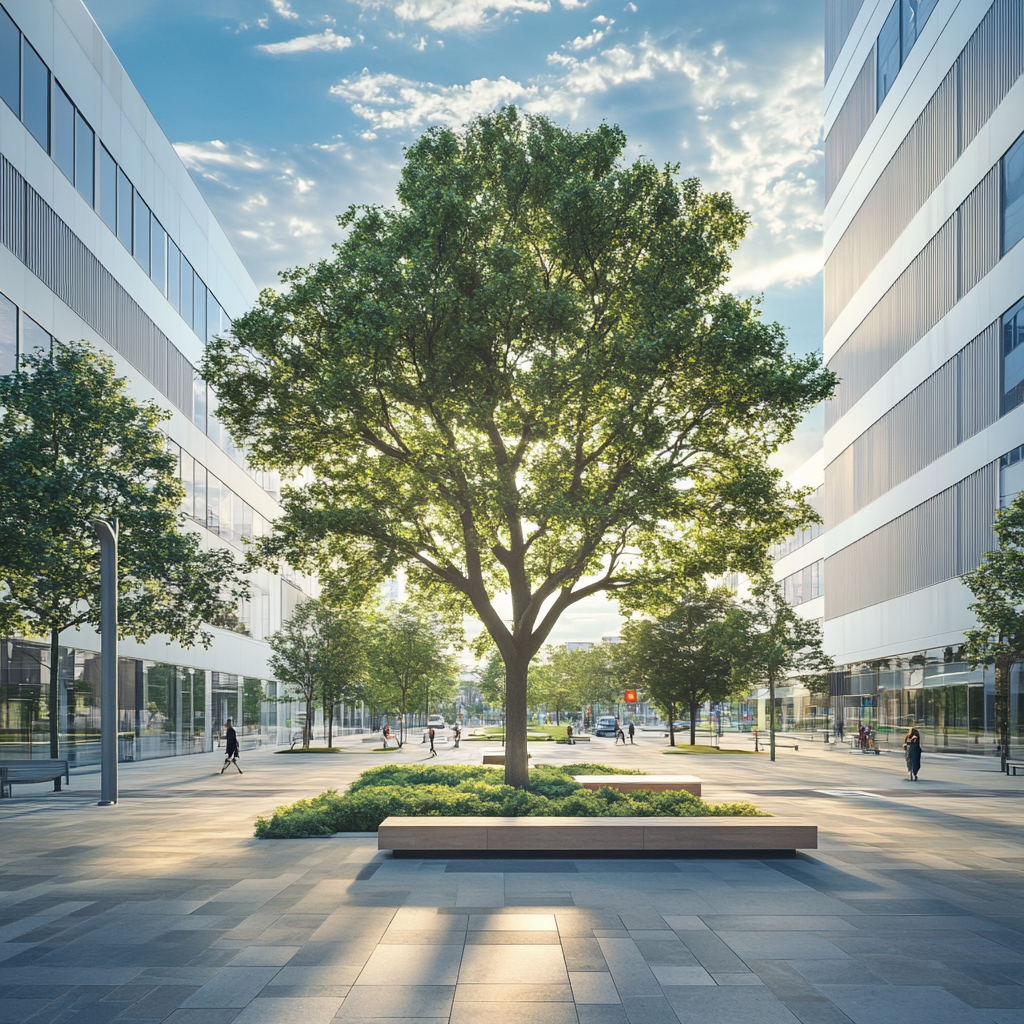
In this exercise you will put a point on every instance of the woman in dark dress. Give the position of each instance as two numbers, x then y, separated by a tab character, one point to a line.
912	748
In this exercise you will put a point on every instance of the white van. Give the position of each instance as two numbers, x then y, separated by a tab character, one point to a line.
436	722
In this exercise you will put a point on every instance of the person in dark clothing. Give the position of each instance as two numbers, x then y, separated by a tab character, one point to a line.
619	734
433	752
568	735
457	734
912	749
840	730
632	732
230	747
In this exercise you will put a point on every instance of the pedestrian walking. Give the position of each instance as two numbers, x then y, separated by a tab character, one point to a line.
384	733
912	749
839	730
568	735
862	737
457	734
619	734
632	732
230	748
433	752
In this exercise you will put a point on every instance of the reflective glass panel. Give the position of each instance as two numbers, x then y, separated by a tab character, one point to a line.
159	256
85	158
199	315
8	336
35	95
107	192
1013	195
888	53
213	325
173	275
1013	357
10	63
124	209
188	503
915	17
33	336
141	247
199	403
187	277
201	512
63	132
213	503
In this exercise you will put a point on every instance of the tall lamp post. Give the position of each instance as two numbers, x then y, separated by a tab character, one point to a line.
107	531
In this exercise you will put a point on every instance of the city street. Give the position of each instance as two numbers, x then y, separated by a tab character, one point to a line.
166	908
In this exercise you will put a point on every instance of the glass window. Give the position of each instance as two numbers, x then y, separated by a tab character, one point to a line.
141	247
63	131
199	403
888	53
8	333
188	469
199	315
173	275
200	513
915	17
187	275
159	257
1012	173
1011	476
124	209
107	192
10	63
213	503
213	325
1013	357
85	158
35	95
33	336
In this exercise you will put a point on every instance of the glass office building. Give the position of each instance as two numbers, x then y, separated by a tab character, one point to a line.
924	319
104	236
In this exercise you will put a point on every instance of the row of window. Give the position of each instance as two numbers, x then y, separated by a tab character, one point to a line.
1013	357
902	26
805	585
797	540
46	110
31	334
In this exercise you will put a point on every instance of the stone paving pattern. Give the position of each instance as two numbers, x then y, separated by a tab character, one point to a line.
166	909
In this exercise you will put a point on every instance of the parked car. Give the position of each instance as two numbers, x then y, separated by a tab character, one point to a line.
436	722
605	726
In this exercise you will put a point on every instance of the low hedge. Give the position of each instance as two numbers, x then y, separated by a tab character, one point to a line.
471	790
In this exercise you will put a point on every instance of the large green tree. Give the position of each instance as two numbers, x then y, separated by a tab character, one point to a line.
525	379
74	446
686	656
775	644
998	589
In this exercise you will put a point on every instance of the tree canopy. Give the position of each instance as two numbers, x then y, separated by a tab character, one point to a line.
526	378
74	446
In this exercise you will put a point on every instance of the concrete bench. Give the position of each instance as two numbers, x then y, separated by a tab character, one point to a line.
1012	766
498	759
652	783
576	739
438	835
26	770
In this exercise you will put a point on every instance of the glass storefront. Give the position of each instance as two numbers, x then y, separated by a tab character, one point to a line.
162	708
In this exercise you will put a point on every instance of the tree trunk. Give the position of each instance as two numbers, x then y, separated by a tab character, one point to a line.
329	712
771	717
1002	700
307	731
517	767
671	725
55	699
693	723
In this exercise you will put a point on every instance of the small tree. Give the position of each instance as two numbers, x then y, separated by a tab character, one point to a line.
299	658
775	643
343	631
998	589
74	447
686	656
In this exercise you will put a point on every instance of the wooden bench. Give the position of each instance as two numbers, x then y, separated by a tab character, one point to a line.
1012	766
652	783
499	759
26	770
525	836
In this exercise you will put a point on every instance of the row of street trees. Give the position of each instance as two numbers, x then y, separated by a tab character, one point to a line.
396	658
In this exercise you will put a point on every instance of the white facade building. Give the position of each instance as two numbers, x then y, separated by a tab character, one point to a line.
104	236
924	277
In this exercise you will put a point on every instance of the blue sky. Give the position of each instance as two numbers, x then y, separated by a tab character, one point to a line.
287	111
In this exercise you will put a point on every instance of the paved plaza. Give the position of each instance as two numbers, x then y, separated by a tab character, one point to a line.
166	908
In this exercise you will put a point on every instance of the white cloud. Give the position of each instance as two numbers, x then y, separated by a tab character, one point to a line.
390	102
325	40
586	42
283	8
441	14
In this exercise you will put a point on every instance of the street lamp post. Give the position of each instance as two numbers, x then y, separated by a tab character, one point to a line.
107	531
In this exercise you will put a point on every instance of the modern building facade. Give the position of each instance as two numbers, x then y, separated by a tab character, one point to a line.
924	320
105	237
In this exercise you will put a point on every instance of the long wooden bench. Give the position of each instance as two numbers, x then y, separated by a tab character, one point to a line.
498	759
652	783
25	770
540	835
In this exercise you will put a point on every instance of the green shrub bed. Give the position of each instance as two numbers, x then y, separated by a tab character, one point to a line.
471	790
